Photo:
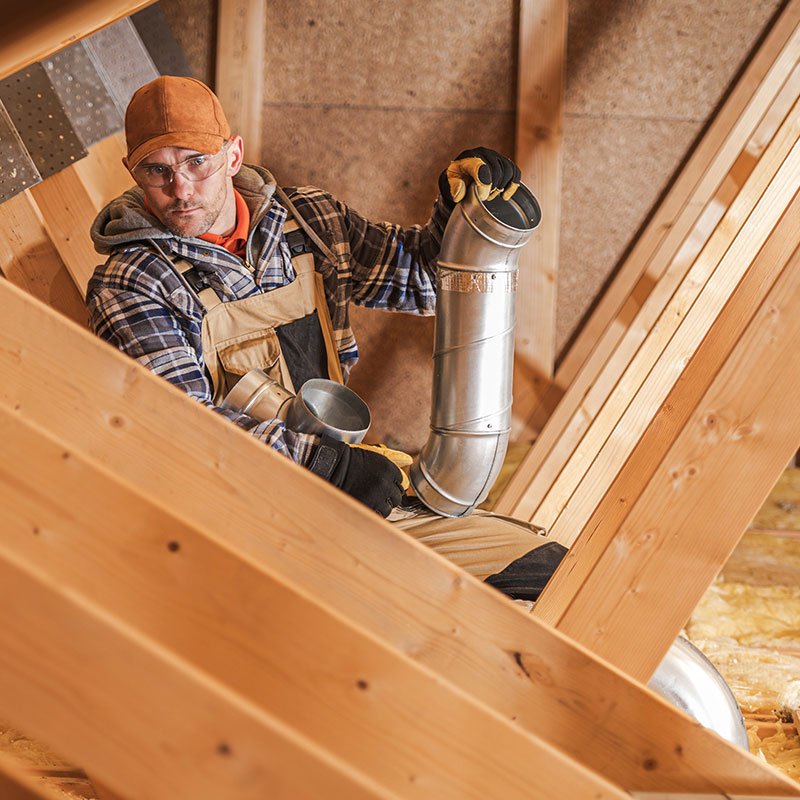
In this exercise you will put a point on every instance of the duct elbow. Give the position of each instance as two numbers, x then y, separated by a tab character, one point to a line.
473	351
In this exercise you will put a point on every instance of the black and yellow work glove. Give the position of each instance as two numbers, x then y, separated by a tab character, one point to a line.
492	173
361	471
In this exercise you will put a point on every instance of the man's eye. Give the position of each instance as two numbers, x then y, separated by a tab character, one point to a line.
156	169
198	161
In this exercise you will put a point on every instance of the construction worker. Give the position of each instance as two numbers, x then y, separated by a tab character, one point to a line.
214	270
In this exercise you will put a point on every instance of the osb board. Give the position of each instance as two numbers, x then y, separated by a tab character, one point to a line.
748	624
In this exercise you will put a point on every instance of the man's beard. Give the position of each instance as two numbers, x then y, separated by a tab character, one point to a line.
196	226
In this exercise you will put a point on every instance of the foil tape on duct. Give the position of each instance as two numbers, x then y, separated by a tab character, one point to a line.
41	122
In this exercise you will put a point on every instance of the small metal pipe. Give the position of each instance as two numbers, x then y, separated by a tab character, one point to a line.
473	351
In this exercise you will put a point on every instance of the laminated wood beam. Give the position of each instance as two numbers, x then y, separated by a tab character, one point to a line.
289	523
591	388
241	44
27	37
724	142
68	210
104	693
643	574
540	96
350	698
29	259
102	172
586	447
661	359
16	783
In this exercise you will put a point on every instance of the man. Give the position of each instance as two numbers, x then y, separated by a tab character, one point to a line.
214	270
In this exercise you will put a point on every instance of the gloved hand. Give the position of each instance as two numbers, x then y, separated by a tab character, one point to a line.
360	471
491	172
400	459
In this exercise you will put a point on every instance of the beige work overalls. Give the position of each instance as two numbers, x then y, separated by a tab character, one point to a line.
241	335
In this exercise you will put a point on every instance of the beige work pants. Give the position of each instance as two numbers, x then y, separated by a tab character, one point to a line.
481	543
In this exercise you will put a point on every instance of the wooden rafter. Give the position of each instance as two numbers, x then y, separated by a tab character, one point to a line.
540	80
290	524
728	138
241	44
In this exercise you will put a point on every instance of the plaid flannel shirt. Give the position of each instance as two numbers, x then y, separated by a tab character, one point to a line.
138	302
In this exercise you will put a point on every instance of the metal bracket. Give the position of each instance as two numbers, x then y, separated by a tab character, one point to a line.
40	120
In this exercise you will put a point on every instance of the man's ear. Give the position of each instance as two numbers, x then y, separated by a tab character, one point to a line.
235	155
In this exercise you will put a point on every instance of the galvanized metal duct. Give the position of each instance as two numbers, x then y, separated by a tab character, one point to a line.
473	351
688	680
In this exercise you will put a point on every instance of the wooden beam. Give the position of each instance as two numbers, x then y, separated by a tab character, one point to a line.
673	416
241	44
16	782
28	37
698	182
102	172
540	98
351	698
289	523
542	491
710	482
68	211
29	259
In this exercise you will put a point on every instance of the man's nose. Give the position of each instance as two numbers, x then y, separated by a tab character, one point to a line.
181	187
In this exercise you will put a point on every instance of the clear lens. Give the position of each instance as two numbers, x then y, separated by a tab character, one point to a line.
196	168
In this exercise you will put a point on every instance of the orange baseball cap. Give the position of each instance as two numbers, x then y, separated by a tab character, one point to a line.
174	112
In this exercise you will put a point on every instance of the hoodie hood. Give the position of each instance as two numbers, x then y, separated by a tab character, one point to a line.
125	220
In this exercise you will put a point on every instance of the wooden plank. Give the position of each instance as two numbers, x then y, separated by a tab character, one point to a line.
691	191
102	172
591	387
575	458
137	704
663	356
68	211
593	384
241	43
361	703
27	37
540	99
708	164
16	782
709	485
288	522
29	259
609	515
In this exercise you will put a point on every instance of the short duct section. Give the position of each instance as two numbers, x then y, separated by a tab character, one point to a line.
473	351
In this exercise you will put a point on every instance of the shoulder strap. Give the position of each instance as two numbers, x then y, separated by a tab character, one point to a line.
312	234
207	296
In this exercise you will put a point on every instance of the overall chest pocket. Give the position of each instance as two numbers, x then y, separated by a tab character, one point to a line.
255	350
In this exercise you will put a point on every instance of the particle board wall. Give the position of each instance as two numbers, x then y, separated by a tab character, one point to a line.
369	100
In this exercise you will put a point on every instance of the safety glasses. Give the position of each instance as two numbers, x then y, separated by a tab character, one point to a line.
196	168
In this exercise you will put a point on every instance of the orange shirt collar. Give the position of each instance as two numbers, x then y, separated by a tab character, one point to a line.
236	240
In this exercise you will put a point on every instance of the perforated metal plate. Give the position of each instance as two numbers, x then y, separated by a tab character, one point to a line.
121	59
17	170
157	37
40	120
85	98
